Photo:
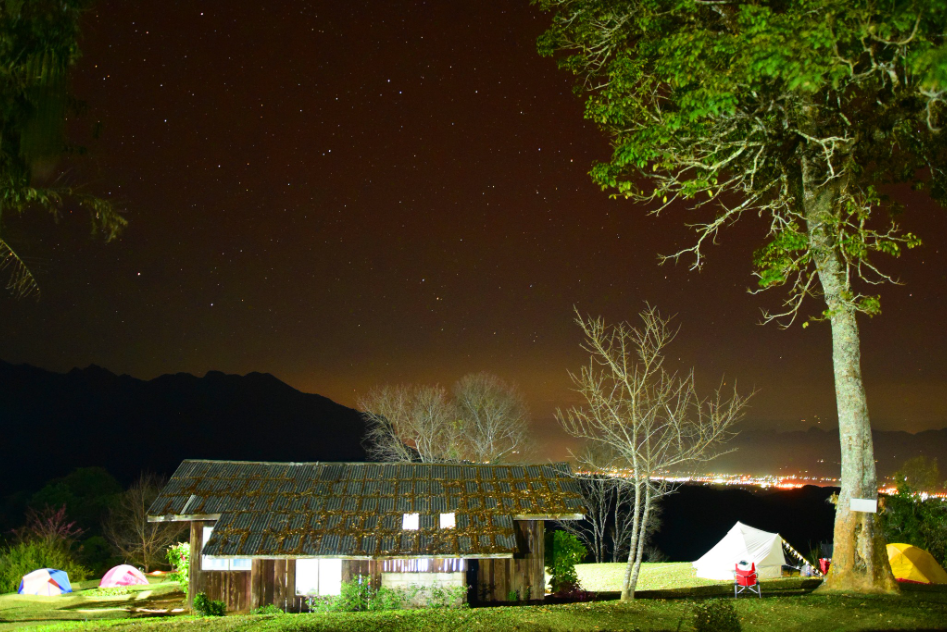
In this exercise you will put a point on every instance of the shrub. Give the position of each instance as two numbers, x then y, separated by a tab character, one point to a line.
912	519
207	607
24	557
268	609
717	615
563	552
359	595
179	556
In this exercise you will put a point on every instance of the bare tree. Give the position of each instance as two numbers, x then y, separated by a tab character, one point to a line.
598	492
486	421
494	415
141	542
411	423
649	418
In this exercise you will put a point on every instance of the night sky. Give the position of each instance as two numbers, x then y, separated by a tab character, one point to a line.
347	194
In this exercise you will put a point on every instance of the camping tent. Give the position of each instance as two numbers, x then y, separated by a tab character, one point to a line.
123	575
911	564
45	581
743	544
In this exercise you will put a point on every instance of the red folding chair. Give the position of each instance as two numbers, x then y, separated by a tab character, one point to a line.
746	579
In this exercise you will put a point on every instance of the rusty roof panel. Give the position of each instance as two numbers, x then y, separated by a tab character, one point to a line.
387	544
271	509
311	545
291	544
369	544
506	541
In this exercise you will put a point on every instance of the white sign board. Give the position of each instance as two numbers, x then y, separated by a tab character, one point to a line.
864	505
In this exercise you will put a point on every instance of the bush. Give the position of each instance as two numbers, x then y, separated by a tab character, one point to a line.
268	609
206	607
717	615
358	595
910	518
21	558
563	552
179	556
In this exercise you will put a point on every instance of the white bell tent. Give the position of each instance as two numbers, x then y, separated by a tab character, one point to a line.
743	544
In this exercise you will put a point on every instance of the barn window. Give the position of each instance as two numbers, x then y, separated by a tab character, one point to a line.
211	563
411	522
448	521
318	577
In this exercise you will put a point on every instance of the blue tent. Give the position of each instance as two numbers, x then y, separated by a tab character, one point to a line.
45	581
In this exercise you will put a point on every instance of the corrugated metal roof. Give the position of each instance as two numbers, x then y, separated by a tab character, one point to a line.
324	509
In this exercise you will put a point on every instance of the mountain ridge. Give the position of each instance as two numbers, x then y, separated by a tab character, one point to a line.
93	417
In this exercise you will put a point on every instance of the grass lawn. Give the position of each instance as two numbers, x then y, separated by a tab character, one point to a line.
669	576
667	605
88	603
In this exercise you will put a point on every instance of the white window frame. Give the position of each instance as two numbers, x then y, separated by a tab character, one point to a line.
319	576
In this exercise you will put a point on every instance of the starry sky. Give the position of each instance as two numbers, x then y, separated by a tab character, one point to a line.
348	194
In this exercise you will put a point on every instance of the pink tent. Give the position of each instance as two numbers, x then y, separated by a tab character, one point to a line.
123	575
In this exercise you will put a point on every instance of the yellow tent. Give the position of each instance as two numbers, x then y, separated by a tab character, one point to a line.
911	564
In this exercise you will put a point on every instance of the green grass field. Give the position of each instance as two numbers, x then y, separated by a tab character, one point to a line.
669	593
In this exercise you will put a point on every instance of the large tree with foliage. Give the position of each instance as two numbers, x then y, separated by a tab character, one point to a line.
38	45
796	111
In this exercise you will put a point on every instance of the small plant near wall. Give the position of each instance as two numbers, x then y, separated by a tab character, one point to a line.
207	607
359	595
179	556
269	608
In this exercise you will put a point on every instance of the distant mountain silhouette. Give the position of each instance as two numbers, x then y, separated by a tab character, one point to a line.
52	423
817	452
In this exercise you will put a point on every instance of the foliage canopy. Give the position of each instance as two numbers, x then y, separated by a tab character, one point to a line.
730	106
38	45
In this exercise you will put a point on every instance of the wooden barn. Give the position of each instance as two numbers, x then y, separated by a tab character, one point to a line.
273	533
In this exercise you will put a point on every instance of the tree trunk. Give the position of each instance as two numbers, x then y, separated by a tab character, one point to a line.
859	560
639	545
627	590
